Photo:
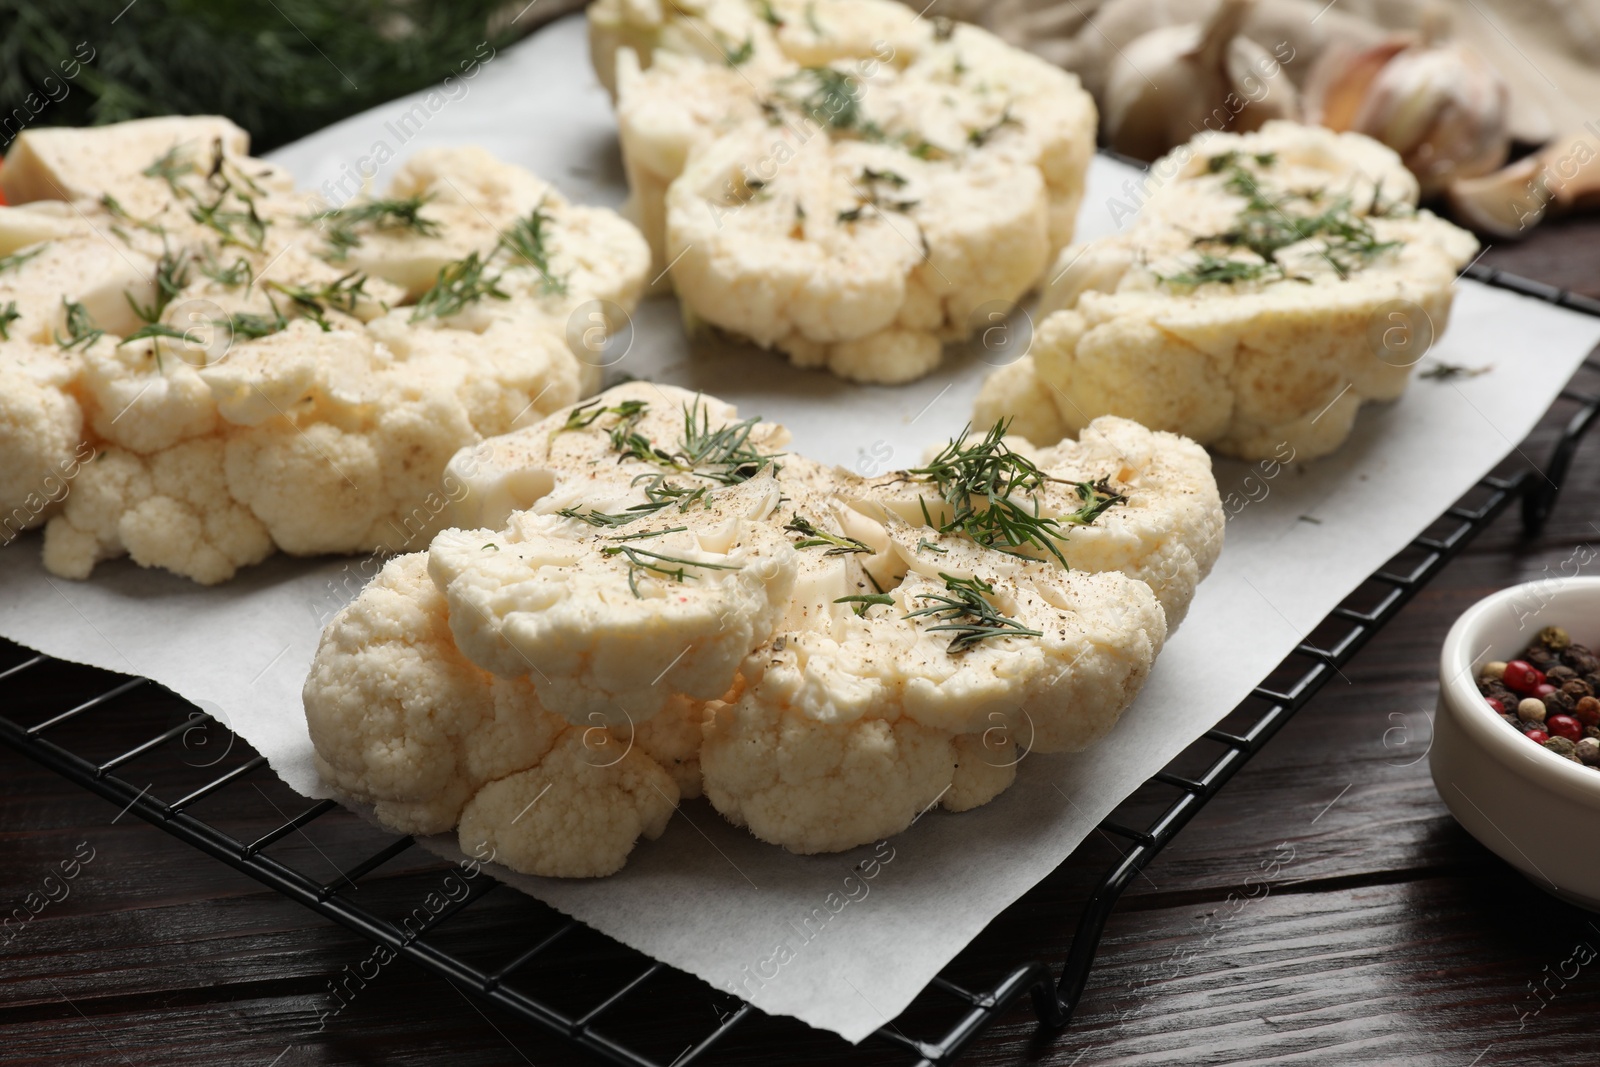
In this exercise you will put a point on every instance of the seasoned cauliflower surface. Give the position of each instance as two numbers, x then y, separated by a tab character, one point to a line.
1272	283
823	656
200	366
842	180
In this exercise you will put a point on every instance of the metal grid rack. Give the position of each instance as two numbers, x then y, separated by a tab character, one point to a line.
961	1013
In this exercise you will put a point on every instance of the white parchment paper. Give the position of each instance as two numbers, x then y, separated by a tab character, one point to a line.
800	936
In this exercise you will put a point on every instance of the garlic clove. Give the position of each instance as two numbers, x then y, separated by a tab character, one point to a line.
1175	81
1339	81
1564	177
1503	204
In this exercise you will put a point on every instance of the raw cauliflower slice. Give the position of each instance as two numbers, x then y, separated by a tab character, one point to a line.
402	721
196	299
855	196
851	725
608	628
41	434
821	655
1277	281
1121	498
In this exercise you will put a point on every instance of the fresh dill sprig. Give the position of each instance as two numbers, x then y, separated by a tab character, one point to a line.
8	315
980	137
656	564
526	240
1441	371
169	167
344	293
967	615
724	454
1222	270
978	481
81	329
647	534
459	284
863	601
1266	226
344	225
115	209
875	197
17	259
738	55
811	537
835	102
251	326
172	274
1097	497
240	272
585	415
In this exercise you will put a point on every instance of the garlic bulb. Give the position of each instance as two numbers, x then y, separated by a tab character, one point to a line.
1177	81
1437	103
1564	177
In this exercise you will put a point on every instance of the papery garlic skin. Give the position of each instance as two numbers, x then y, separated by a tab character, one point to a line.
1176	81
1439	104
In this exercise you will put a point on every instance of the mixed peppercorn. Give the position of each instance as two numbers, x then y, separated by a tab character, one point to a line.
1549	695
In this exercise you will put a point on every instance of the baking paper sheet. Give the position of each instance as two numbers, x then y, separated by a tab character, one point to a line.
813	937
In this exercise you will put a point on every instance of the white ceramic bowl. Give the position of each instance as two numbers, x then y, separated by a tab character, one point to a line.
1529	806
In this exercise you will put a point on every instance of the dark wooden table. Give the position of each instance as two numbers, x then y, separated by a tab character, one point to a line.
1387	935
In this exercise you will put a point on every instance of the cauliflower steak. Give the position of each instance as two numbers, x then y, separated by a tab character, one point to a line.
253	370
1272	283
845	182
823	656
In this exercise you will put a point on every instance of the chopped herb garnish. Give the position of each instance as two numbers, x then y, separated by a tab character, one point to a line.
81	329
655	563
864	601
724	454
1096	497
1218	164
931	547
835	102
459	284
240	272
1440	371
250	326
17	259
1266	226
8	315
1209	269
172	274
967	615
169	168
944	27
646	535
315	301
980	137
977	482
768	15
836	544
741	53
345	224
526	240
117	211
585	415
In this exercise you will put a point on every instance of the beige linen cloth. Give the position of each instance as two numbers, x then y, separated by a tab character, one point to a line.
1548	50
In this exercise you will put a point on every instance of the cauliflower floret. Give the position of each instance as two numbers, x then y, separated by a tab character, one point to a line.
402	721
612	628
1273	284
191	299
41	428
169	509
852	195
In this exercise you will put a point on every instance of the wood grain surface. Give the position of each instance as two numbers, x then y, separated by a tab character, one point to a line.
1384	935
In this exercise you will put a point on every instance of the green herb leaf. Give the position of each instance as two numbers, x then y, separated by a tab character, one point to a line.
345	225
526	240
459	285
8	315
812	537
81	330
967	615
17	259
864	601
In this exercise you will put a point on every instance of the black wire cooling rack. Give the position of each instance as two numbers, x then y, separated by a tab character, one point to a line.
532	979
